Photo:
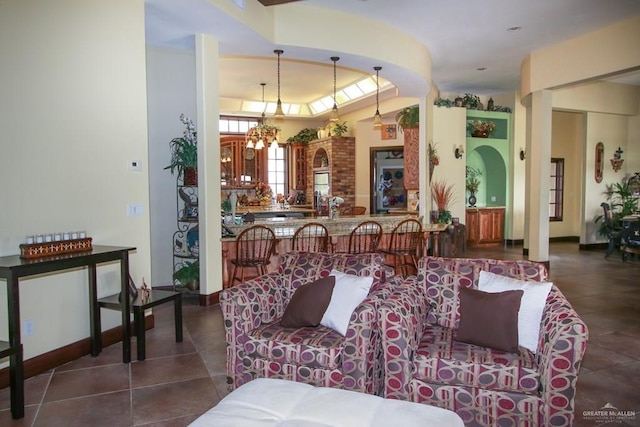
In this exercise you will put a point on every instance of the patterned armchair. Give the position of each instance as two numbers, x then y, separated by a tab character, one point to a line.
259	347
485	387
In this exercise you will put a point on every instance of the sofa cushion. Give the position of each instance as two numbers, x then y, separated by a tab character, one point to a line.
348	293
443	277
318	347
442	360
309	303
531	307
489	319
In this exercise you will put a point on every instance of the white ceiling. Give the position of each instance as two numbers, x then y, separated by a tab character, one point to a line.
462	36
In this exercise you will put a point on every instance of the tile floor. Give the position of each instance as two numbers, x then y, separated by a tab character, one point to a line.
179	381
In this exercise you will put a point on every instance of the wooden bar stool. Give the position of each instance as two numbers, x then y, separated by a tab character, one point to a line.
404	247
254	247
311	237
365	237
139	306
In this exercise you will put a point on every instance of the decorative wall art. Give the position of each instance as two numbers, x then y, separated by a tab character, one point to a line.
389	131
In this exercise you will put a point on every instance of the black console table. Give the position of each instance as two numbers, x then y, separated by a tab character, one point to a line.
12	268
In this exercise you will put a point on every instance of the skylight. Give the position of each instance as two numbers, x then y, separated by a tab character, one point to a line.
357	90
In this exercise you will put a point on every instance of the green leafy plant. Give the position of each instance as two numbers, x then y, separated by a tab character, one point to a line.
472	179
304	136
226	205
471	101
408	117
623	203
188	275
184	150
339	129
444	102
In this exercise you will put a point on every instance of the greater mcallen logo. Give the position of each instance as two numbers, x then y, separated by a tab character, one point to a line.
609	413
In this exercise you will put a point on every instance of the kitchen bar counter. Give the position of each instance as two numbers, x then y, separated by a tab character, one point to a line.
339	231
275	212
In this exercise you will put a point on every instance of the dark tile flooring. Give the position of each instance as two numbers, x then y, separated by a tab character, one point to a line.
180	381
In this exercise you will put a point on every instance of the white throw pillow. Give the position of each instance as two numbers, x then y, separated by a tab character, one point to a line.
531	305
348	292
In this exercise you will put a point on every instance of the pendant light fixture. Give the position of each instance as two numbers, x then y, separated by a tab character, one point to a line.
263	132
334	111
377	118
278	116
260	143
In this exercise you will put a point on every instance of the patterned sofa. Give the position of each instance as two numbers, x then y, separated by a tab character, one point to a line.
259	347
485	387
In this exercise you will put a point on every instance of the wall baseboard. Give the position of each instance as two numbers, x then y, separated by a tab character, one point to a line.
54	358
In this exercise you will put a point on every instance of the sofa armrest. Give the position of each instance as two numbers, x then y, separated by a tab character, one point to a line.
362	359
403	317
245	307
563	341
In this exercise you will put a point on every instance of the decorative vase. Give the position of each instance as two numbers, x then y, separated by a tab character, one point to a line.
190	176
472	199
434	217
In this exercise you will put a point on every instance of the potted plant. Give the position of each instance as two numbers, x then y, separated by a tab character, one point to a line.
623	203
188	275
304	136
339	129
443	195
472	183
408	118
480	128
184	153
471	101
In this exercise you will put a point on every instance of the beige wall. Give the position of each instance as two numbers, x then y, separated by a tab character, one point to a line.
72	114
567	144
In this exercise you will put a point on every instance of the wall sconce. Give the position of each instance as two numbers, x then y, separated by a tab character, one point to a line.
617	160
523	155
459	151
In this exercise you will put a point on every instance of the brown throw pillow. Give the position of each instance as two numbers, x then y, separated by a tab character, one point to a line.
308	303
489	319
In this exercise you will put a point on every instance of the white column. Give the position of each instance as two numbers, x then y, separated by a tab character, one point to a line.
208	95
538	169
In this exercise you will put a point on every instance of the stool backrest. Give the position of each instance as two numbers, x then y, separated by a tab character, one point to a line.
312	237
365	237
406	237
255	246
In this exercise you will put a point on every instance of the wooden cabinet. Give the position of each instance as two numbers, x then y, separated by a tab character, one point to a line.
485	226
241	167
297	155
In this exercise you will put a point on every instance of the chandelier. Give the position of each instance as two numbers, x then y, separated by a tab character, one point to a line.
263	133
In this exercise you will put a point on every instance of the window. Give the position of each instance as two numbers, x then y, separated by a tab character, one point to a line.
556	189
276	173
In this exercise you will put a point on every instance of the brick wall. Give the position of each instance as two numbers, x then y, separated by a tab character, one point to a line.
340	152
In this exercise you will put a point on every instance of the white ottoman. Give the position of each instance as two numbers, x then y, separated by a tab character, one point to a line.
273	402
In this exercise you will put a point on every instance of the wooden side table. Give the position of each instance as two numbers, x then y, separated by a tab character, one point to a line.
12	268
139	305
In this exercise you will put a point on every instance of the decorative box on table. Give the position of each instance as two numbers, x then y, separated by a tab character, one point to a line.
38	250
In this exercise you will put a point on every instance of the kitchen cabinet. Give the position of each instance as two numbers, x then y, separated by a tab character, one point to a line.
297	155
241	167
485	226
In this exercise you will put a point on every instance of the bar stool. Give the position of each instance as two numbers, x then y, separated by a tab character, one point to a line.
404	246
254	247
139	304
311	237
365	237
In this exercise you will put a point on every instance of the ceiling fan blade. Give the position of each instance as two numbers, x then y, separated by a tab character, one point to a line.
275	2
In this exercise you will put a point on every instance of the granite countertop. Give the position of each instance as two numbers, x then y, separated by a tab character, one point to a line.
284	228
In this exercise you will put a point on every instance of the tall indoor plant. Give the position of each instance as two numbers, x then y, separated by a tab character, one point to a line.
184	153
408	120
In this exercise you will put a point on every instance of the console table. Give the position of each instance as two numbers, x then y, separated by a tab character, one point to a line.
12	268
